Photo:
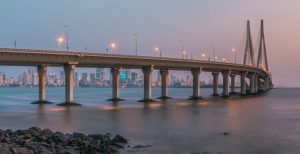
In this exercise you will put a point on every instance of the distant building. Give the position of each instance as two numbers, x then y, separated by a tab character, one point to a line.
83	82
93	80
76	79
62	77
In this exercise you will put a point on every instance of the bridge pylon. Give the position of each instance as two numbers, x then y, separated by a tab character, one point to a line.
249	51
262	61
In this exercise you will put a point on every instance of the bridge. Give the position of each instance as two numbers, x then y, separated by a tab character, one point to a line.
258	73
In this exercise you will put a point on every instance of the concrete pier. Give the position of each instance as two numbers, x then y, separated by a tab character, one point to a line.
196	83
215	83
232	84
115	72
252	83
243	83
225	75
42	70
69	86
147	71
164	84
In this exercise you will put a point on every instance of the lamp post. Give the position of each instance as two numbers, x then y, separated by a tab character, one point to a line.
113	46
136	45
60	41
157	49
182	49
234	51
202	55
67	35
214	52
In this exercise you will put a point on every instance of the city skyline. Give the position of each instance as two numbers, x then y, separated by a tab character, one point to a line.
200	28
98	78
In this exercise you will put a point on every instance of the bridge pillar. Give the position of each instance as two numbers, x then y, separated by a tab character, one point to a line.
243	83
69	85
252	83
115	72
256	83
42	85
147	71
225	75
164	84
232	86
215	83
266	85
196	83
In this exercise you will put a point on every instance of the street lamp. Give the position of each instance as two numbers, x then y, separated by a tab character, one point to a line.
136	45
67	35
182	49
214	52
183	54
234	51
215	59
224	60
113	46
203	55
60	41
157	49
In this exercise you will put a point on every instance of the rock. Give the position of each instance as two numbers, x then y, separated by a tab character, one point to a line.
119	139
141	146
38	141
47	132
22	150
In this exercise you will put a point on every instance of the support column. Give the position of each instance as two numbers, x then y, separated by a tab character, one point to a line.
252	83
69	85
147	71
196	84
225	75
266	84
232	86
42	70
115	72
255	84
215	83
164	84
243	83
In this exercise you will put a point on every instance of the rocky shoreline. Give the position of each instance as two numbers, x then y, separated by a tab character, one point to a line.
43	141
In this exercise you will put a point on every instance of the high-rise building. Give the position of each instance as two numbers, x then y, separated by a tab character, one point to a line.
99	74
75	78
62	77
93	78
84	79
133	78
35	79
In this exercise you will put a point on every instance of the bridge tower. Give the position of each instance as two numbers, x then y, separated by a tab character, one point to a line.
262	61
249	52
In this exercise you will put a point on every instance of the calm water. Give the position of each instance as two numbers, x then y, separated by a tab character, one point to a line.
264	124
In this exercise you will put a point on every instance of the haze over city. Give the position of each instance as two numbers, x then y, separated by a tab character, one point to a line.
200	24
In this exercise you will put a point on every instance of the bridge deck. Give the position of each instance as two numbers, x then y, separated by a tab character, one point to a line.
29	57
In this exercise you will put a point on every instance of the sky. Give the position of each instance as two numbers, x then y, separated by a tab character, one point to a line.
94	24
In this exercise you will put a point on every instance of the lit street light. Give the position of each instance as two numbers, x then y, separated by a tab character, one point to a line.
157	49
183	54
113	46
224	60
215	59
234	51
203	56
60	41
